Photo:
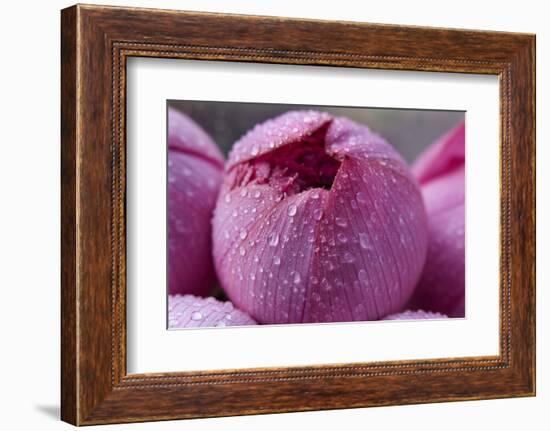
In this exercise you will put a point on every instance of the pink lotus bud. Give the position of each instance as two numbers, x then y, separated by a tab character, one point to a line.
318	220
440	171
188	311
195	167
415	315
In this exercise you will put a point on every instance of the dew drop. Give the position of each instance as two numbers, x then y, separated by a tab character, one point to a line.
235	213
342	238
255	151
273	239
227	198
364	241
363	277
196	315
361	197
342	222
243	234
243	192
325	284
292	210
315	195
297	278
257	194
276	260
242	251
348	258
317	214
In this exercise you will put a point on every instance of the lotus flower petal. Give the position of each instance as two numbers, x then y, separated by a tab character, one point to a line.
318	220
195	167
415	315
188	311
440	171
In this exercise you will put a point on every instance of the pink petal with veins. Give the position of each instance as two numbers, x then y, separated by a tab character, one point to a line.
440	171
195	167
318	220
188	311
415	315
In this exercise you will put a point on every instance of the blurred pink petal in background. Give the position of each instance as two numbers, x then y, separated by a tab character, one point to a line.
195	167
188	311
440	171
318	220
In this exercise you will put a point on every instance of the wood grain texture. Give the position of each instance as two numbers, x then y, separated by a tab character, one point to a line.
96	41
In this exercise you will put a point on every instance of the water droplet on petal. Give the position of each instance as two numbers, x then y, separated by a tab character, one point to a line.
227	198
273	239
342	222
242	251
361	197
243	192
297	278
196	315
363	277
243	234
348	258
364	241
292	210
317	214
257	194
342	238
276	260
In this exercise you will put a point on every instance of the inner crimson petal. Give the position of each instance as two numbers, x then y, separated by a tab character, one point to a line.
293	168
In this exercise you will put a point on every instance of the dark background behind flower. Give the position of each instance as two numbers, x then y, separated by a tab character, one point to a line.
409	130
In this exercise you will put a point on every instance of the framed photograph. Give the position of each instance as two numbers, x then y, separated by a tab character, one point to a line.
264	214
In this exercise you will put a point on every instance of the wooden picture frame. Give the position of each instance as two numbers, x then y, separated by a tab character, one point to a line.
96	41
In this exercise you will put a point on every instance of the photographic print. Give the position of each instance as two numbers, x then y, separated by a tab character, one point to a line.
290	214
